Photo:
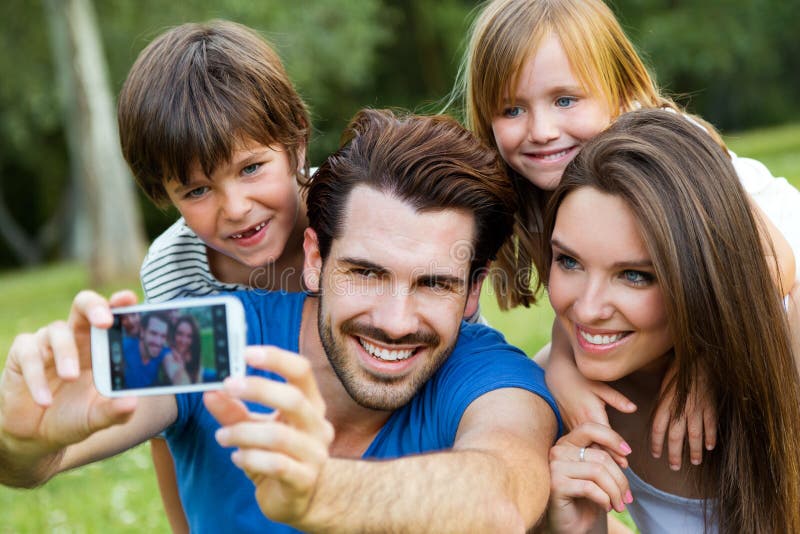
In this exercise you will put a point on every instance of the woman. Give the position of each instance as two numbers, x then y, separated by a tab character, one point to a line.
654	261
182	364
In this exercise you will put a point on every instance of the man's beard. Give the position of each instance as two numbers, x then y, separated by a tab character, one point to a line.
377	392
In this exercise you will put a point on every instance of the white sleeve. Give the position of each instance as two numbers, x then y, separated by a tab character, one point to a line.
777	198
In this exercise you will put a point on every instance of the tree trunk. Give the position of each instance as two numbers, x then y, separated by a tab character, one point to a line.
115	232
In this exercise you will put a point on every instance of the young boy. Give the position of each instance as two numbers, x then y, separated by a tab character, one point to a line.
210	122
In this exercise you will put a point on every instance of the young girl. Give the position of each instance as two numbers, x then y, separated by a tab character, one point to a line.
651	244
182	365
543	77
210	122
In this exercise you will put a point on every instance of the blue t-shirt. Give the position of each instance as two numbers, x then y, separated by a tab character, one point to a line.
218	497
135	373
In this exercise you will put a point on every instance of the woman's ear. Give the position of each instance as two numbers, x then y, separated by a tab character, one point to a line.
312	263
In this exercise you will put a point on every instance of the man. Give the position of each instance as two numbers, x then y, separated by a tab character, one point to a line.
143	355
403	220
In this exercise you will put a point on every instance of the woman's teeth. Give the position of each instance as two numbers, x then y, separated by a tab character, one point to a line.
384	354
601	339
557	155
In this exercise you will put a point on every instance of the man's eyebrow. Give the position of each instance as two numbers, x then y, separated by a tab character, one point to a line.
363	263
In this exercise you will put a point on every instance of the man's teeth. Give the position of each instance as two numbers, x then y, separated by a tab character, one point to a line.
384	354
601	339
248	233
557	155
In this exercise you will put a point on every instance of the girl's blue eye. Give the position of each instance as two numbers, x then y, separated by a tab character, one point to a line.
638	278
567	262
251	169
565	101
513	111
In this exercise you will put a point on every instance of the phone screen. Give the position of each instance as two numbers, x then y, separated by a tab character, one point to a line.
169	347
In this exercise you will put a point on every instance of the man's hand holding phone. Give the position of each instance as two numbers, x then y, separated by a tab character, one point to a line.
283	453
47	395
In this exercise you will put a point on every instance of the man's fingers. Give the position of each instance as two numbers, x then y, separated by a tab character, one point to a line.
293	368
275	437
226	410
257	463
29	354
59	341
294	407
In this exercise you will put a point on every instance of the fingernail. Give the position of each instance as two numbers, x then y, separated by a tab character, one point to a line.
43	396
236	457
235	384
656	454
628	497
69	368
624	447
675	467
222	436
98	315
696	461
709	446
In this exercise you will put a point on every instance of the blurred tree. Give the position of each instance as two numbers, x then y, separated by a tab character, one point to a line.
737	62
100	174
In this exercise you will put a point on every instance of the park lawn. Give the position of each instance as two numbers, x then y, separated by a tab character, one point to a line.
120	495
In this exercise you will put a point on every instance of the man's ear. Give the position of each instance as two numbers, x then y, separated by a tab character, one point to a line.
312	263
474	294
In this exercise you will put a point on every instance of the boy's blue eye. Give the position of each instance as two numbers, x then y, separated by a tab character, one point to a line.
513	111
197	192
638	278
565	101
251	169
567	263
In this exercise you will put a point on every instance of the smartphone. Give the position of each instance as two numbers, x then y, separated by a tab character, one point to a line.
172	347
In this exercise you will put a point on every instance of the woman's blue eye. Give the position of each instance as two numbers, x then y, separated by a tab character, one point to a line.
251	169
567	262
565	101
638	277
513	111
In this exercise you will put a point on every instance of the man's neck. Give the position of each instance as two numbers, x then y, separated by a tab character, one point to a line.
143	352
355	425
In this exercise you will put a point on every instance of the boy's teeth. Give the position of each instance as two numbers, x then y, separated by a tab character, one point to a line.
250	232
384	354
601	339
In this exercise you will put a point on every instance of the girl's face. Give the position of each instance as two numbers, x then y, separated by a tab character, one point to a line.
183	337
603	288
541	127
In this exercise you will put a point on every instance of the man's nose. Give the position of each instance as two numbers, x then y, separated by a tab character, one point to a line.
396	314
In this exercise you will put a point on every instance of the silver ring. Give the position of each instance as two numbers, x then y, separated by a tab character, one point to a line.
582	454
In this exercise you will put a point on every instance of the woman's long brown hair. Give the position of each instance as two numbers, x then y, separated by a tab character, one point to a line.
725	312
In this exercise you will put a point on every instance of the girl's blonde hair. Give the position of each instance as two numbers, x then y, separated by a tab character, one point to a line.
503	37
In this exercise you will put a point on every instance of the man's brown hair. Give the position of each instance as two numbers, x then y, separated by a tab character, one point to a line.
430	162
197	92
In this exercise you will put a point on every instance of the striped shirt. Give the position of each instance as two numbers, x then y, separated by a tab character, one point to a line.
176	266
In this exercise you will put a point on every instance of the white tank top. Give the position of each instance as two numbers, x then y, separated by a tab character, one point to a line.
656	512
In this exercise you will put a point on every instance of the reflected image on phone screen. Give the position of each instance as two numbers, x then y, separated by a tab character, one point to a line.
177	346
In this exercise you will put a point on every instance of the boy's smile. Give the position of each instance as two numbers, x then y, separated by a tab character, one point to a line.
247	210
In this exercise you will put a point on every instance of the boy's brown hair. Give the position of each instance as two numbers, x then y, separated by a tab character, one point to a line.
197	92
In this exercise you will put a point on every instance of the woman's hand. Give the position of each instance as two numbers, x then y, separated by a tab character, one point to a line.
586	479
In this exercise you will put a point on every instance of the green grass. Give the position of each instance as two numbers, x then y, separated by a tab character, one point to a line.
120	494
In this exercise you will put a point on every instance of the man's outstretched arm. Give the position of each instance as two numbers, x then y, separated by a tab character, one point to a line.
495	478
